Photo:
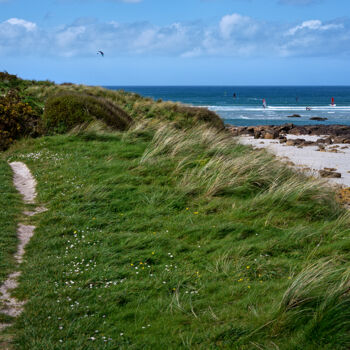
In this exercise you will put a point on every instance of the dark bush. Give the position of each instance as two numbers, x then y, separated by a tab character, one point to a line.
9	81
7	77
63	112
17	119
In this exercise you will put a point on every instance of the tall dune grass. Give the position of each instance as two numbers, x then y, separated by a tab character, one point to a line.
318	303
212	163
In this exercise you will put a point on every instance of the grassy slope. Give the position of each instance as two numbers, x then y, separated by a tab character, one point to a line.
151	246
36	94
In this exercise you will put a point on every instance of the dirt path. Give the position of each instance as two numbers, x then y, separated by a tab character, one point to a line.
26	186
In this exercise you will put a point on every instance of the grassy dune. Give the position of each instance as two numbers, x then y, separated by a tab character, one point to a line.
164	238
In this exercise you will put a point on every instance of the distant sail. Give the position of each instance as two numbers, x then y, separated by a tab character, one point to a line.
332	101
264	103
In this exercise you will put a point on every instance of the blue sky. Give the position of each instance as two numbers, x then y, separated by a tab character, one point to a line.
182	42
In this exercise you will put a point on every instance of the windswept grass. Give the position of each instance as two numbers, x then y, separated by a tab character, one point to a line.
178	239
212	163
317	305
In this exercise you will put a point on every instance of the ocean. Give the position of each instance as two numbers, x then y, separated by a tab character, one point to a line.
246	108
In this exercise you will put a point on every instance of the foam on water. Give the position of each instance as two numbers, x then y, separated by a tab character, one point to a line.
246	108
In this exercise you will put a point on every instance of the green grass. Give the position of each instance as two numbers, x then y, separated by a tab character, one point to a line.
10	211
152	241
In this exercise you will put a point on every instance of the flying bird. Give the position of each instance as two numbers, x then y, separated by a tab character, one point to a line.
101	53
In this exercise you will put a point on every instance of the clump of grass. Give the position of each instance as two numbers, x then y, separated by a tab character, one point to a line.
63	112
317	305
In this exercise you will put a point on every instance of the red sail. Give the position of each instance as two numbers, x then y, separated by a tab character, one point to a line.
332	100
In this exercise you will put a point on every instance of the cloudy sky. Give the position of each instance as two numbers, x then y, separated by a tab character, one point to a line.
182	42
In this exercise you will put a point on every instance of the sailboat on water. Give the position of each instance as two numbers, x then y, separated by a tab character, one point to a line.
333	102
264	103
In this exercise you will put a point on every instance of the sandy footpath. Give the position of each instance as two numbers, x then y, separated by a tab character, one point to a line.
308	156
25	184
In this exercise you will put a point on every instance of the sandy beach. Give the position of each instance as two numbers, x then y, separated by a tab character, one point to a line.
309	158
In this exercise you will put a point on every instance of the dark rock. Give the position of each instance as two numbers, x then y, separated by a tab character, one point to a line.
294	116
335	133
329	174
250	130
295	142
298	131
319	119
341	139
308	143
330	169
257	134
271	134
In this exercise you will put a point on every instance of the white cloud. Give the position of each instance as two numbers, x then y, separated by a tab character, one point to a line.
237	24
29	26
233	35
313	25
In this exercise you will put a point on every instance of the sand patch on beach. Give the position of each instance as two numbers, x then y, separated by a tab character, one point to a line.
308	157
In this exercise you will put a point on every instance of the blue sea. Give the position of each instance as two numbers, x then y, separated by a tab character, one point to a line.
246	108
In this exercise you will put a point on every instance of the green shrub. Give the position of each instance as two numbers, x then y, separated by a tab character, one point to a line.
198	114
65	111
17	119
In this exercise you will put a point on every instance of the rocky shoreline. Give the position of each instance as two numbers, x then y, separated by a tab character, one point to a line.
308	141
329	134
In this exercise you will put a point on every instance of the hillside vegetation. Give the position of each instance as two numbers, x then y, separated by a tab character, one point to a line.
166	236
43	107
